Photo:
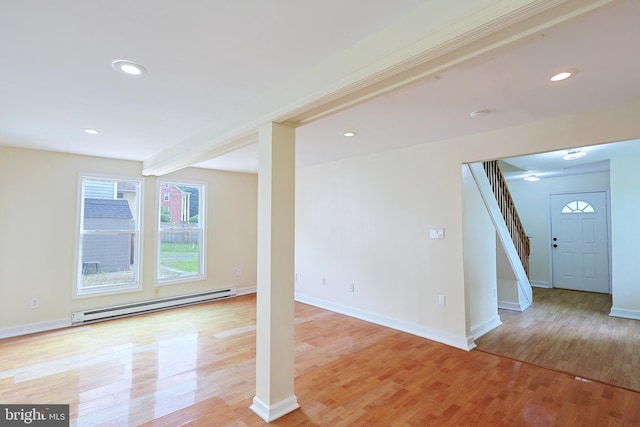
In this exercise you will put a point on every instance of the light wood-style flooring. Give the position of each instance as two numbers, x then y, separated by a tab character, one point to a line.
195	366
571	331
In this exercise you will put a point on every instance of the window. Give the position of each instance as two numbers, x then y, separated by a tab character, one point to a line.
181	232
577	207
109	229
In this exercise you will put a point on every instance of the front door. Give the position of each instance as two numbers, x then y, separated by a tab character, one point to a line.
579	241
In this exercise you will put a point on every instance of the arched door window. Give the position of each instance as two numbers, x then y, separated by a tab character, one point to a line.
577	207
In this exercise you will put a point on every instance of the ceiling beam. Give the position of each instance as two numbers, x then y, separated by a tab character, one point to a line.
436	37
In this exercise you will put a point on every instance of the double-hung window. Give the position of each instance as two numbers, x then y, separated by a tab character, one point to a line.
181	231
109	235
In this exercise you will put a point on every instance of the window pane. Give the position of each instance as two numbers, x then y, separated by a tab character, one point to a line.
180	231
577	206
107	259
179	205
179	254
109	234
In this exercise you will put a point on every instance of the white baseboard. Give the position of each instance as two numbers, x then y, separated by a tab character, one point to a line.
479	330
627	314
32	328
275	411
246	291
537	284
463	343
513	306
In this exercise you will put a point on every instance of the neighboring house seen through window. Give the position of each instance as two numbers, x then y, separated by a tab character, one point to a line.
181	231
108	249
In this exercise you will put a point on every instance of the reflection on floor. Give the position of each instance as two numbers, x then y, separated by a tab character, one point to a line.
196	366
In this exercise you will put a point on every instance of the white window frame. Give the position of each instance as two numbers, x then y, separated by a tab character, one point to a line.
134	286
201	229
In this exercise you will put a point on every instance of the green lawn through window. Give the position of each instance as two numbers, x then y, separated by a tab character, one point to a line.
178	259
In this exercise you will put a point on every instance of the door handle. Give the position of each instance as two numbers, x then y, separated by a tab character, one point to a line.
555	239
554	245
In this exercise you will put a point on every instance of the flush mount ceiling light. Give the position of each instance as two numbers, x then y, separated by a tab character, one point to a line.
563	75
574	154
479	113
128	67
531	178
91	131
349	134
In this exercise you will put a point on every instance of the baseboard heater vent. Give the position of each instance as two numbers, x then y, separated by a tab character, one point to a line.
106	313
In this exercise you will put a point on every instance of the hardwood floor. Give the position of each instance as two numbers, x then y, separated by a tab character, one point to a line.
195	366
571	331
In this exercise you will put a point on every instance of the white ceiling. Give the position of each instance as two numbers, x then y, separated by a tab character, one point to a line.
208	58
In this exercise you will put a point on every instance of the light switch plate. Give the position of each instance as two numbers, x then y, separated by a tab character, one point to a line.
436	233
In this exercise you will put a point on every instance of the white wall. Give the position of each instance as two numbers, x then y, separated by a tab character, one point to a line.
508	294
38	211
532	202
625	235
480	274
365	220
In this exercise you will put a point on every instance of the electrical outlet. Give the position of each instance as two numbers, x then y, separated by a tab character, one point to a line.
238	272
324	281
441	299
352	287
34	303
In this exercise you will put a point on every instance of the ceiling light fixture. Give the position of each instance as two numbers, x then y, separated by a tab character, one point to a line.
91	131
349	134
479	113
574	154
563	75
128	67
531	178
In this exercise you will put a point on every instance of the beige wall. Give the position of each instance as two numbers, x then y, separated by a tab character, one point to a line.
365	220
361	220
38	214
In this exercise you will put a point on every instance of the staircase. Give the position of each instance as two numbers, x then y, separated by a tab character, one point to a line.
509	230
509	212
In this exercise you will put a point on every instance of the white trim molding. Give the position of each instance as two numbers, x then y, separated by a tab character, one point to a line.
513	306
275	411
246	291
627	314
479	330
32	328
461	342
537	284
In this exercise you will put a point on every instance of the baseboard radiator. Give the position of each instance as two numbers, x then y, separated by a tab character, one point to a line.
107	313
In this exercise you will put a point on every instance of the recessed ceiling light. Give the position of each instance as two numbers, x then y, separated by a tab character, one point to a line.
563	75
349	134
574	154
531	178
91	131
128	67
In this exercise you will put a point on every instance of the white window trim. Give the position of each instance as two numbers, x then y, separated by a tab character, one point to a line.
136	286
202	203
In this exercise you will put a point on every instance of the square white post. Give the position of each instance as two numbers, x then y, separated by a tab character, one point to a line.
275	301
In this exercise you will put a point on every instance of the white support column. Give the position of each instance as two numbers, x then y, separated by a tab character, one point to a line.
275	317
